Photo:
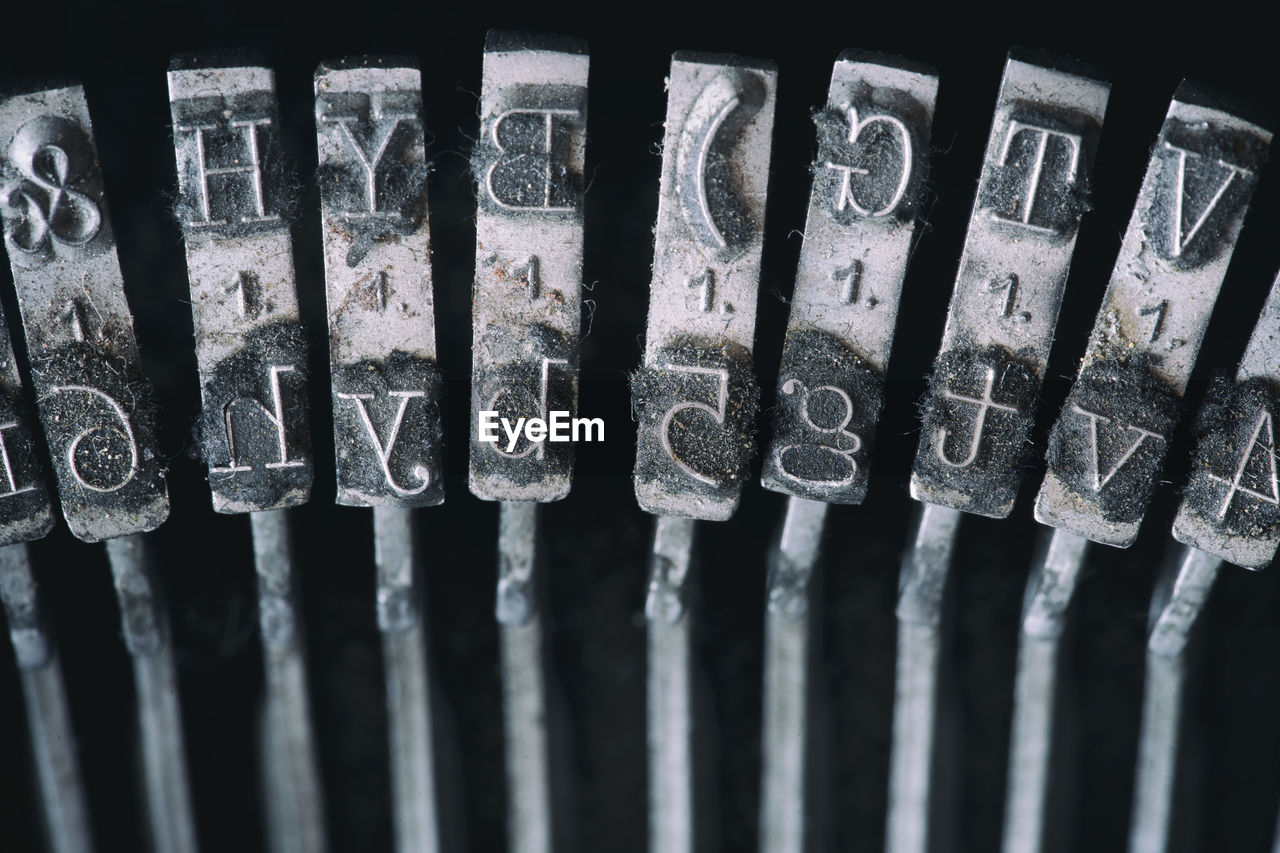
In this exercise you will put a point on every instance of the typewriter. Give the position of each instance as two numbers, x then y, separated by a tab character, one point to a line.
790	724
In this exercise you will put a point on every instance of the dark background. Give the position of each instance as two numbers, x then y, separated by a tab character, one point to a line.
596	540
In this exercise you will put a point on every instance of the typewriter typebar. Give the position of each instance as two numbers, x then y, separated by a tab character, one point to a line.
529	173
388	430
94	402
1231	506
869	176
234	212
382	354
695	396
978	409
1109	443
1013	272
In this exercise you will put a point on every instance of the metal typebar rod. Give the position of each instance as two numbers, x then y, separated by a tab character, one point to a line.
980	406
532	819
785	799
1050	590
53	743
922	584
670	613
1180	596
164	765
295	812
873	136
409	705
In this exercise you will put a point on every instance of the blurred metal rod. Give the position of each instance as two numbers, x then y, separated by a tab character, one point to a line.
1183	589
415	815
530	821
668	610
146	633
53	743
784	797
922	582
1050	590
291	776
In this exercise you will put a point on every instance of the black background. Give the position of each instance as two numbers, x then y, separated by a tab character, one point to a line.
596	539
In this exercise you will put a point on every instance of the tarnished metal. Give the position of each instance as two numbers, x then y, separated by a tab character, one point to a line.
1231	503
234	207
414	775
534	824
695	397
1050	590
97	411
1032	193
675	825
26	509
868	178
786	801
1180	595
873	138
980	406
291	775
171	822
913	797
529	169
53	742
1108	445
1109	441
234	203
94	402
377	258
386	386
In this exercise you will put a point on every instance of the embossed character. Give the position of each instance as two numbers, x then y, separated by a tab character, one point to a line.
49	201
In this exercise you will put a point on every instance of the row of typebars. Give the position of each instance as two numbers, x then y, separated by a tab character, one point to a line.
695	402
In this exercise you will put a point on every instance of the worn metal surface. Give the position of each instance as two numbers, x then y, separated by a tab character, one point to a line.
675	822
94	402
534	821
377	258
911	823
291	776
1181	592
694	397
410	710
1032	743
53	742
386	386
171	821
234	207
1033	190
873	137
786	801
529	169
1231	503
1108	446
26	509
